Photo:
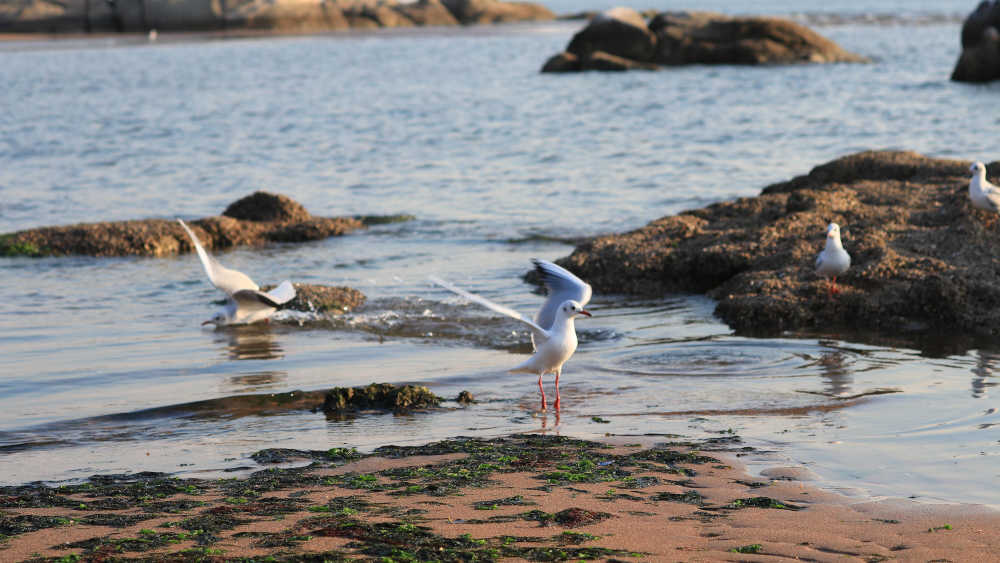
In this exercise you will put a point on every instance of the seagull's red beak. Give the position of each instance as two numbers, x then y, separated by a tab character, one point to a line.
585	312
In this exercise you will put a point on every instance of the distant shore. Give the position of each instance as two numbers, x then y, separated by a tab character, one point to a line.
522	497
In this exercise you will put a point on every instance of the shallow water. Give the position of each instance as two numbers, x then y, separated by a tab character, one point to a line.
499	164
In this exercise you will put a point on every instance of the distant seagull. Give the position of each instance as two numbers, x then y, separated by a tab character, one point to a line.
153	35
983	194
834	260
246	303
552	332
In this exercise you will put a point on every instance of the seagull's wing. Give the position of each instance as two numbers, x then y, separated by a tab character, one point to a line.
537	332
283	293
562	286
819	261
253	299
229	281
992	194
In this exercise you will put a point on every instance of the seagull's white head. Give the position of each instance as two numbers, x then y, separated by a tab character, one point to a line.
978	169
833	231
218	319
571	309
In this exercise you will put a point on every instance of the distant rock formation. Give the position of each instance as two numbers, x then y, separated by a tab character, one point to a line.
621	39
980	58
255	220
923	258
82	16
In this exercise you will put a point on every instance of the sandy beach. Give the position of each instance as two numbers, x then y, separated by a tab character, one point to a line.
523	497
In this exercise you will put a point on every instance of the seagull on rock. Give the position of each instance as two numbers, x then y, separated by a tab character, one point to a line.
834	260
245	302
983	194
553	332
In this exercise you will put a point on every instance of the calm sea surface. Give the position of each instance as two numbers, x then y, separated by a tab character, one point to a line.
100	358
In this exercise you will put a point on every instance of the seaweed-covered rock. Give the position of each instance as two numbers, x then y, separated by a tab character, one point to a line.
922	255
255	220
312	298
980	58
382	396
680	38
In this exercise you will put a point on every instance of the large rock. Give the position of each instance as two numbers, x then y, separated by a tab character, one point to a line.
427	12
922	256
678	38
708	38
494	11
618	31
258	219
980	58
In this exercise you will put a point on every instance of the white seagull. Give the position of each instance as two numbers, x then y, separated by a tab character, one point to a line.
246	303
553	333
983	194
834	260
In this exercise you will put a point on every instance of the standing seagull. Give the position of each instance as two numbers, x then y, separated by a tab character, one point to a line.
553	333
246	303
983	194
834	260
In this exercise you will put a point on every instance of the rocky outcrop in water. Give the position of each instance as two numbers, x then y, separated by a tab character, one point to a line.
980	58
680	38
922	257
82	16
312	298
255	220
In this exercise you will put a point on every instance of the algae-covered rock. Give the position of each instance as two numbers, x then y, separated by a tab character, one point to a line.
382	396
922	256
256	220
312	298
465	398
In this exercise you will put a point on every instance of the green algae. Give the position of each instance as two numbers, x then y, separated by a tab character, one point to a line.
381	396
687	497
760	502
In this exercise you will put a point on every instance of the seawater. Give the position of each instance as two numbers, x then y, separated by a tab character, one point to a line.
101	358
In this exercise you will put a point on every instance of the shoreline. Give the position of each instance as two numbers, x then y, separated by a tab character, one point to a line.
519	497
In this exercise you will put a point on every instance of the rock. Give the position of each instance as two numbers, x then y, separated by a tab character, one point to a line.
679	38
709	38
563	62
599	60
618	31
465	398
980	58
470	12
427	12
381	396
281	15
264	206
312	298
256	220
922	255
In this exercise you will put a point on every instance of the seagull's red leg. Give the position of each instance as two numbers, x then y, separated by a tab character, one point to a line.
556	405
542	391
835	290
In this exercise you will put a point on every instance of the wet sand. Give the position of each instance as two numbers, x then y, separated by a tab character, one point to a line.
524	497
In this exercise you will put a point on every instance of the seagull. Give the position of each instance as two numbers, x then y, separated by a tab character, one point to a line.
246	303
983	194
834	260
553	334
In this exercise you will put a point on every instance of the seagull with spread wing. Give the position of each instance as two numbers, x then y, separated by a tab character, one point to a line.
246	303
553	332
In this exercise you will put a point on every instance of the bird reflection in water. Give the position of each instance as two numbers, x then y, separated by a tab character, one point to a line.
983	372
250	342
833	364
